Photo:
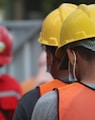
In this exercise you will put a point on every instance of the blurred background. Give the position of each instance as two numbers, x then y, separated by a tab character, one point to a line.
24	18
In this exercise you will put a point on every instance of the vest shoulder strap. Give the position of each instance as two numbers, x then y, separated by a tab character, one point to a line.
47	87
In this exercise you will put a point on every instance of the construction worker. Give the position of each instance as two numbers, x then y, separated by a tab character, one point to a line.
49	37
77	41
10	90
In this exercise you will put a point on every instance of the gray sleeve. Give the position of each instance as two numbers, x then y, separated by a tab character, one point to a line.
46	107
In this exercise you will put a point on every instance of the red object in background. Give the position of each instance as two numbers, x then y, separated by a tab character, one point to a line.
6	44
10	93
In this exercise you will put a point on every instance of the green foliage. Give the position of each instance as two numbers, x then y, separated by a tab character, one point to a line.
3	3
49	5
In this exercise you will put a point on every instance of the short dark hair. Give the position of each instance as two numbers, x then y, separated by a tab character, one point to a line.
52	49
86	53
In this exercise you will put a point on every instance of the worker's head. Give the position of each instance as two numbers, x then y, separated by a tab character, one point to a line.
6	45
77	41
50	34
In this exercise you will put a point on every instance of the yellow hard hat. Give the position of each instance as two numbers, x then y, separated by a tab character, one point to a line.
52	24
78	26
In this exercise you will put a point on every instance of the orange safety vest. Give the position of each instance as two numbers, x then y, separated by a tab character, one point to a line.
47	87
76	102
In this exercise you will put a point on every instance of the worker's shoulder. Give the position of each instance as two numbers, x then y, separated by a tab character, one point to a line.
31	96
48	98
46	103
74	87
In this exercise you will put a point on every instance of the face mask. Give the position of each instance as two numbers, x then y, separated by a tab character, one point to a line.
48	69
71	78
74	67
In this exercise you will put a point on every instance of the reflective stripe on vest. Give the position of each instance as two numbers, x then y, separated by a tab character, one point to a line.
76	102
10	94
47	87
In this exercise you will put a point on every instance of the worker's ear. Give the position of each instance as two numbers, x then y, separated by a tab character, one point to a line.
70	54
